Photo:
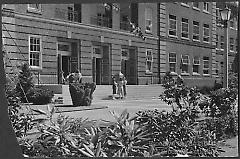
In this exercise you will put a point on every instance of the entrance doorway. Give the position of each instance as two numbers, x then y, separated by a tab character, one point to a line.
97	69
65	65
129	65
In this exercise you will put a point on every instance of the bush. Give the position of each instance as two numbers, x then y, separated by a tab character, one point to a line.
21	122
39	96
81	93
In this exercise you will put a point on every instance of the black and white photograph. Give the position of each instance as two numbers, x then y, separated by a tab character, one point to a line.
119	79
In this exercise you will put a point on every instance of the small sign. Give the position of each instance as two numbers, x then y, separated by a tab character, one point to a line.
102	39
69	34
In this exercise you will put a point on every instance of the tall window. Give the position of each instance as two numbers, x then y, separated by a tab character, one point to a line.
231	23
196	65
196	30
34	7
185	30
148	20
217	41
206	65
172	31
196	4
35	51
206	34
149	60
185	63
222	42
172	62
218	17
70	14
231	44
206	6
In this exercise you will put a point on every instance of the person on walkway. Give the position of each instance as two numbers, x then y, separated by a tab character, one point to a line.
78	76
120	88
124	87
114	86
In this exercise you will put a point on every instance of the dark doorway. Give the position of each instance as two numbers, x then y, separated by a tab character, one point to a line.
65	65
96	68
124	67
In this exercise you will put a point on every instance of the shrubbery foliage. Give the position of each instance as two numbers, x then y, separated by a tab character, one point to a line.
81	93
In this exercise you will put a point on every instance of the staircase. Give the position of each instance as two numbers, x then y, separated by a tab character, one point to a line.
104	92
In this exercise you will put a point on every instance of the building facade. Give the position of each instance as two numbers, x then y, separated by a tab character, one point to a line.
100	40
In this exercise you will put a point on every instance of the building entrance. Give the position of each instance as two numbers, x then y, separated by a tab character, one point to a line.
96	62
129	64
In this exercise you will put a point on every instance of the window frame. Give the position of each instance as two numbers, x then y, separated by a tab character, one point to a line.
184	32
183	63
204	36
147	60
195	34
208	69
221	42
217	41
170	62
196	64
194	7
231	45
206	10
170	29
34	10
40	52
148	17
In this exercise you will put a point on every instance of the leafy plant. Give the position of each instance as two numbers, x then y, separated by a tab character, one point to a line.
125	137
39	95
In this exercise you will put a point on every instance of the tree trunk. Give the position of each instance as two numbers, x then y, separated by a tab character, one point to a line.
9	147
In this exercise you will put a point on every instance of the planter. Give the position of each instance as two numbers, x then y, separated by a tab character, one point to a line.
81	93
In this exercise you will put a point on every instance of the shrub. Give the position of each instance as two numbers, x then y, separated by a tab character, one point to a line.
25	82
175	133
21	122
39	96
81	93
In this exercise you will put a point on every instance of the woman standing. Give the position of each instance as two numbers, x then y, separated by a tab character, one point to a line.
120	88
114	86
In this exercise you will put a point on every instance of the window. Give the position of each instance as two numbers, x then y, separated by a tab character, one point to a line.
70	14
196	30
222	42
206	35
231	23
172	59
196	4
149	61
148	20
206	6
196	65
206	65
217	41
34	7
218	17
231	44
172	31
184	63
185	28
35	51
